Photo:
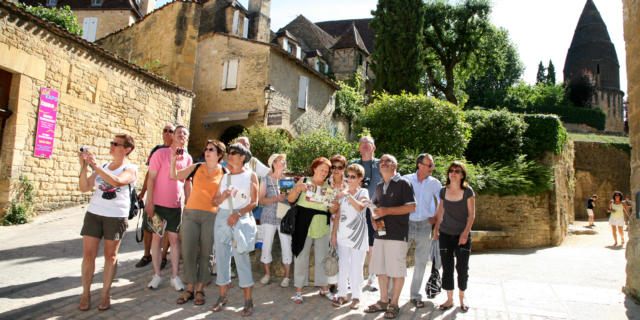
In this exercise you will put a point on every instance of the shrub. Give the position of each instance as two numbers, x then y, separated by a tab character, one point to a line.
320	143
266	141
416	121
544	133
592	117
21	204
495	136
63	17
349	100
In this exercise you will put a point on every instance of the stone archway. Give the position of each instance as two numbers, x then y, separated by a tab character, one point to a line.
231	133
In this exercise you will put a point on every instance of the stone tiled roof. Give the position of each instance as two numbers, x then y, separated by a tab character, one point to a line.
592	45
310	36
22	14
350	39
337	28
86	5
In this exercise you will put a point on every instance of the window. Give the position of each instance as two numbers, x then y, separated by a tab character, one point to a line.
290	48
360	59
234	24
229	74
52	3
89	27
96	3
245	28
303	92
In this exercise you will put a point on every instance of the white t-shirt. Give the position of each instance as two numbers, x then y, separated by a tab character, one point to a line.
352	229
112	202
241	186
260	169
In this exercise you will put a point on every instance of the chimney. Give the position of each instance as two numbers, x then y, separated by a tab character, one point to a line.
147	6
259	28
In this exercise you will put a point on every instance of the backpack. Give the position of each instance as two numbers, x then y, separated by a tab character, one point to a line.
586	204
135	204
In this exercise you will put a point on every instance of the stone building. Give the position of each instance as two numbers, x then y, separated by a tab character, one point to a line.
101	17
225	54
631	15
592	51
98	96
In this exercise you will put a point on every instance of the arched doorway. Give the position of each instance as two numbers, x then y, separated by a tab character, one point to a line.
231	133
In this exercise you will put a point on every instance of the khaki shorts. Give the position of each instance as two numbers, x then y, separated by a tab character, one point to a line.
99	227
172	215
590	212
389	257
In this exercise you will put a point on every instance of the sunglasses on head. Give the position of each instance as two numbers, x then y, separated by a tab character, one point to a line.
337	167
167	130
457	171
209	149
351	176
116	144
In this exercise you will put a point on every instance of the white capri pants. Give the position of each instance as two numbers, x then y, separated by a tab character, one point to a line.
350	268
269	231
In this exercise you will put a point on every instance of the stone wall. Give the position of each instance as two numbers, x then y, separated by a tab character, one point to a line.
101	95
168	35
109	21
600	169
631	15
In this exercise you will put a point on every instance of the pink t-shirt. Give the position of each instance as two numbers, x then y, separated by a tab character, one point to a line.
167	192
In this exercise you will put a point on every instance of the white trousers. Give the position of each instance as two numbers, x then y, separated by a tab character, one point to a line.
350	267
269	231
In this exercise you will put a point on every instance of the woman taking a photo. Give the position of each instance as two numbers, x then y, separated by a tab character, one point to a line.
270	196
455	213
236	197
312	228
198	218
618	210
106	215
350	236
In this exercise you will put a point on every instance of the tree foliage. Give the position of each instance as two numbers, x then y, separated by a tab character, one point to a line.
349	98
398	58
496	136
551	74
266	141
63	17
540	77
320	143
452	32
495	67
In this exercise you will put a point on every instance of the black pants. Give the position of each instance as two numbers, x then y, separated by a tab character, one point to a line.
448	249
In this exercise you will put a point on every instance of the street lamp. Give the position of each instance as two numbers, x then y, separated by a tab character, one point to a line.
268	92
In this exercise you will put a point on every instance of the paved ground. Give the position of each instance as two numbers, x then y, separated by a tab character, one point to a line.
40	279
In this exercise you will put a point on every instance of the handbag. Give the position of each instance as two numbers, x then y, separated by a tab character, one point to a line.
330	263
288	222
136	204
434	284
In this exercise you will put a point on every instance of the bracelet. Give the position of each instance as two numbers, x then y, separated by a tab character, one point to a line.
239	215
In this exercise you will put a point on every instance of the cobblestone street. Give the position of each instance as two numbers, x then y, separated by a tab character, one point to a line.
40	279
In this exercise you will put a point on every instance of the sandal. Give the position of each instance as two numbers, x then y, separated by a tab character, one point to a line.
392	312
417	303
248	308
376	307
186	296
442	307
222	301
464	308
327	294
340	301
298	298
355	304
199	301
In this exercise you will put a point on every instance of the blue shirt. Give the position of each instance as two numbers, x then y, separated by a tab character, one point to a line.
426	194
371	171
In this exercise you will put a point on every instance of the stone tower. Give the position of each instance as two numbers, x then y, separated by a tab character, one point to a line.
259	13
592	51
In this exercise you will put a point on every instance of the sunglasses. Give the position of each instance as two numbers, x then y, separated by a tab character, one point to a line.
352	176
457	171
233	152
337	167
167	130
116	144
209	149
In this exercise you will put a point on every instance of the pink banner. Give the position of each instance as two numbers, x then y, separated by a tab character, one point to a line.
46	123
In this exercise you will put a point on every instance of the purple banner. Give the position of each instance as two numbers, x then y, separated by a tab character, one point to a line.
46	123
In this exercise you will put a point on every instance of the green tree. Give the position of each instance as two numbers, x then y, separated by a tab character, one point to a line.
495	67
398	58
551	74
63	17
540	77
349	98
452	32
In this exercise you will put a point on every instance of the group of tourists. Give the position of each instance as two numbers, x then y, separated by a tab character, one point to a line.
619	212
373	213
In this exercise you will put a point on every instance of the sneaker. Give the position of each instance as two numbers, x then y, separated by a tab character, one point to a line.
145	260
285	282
177	283
155	282
265	280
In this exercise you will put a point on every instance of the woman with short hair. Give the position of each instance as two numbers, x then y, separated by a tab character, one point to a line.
455	215
106	215
198	218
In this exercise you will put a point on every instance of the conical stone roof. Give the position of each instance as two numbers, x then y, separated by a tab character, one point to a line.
592	49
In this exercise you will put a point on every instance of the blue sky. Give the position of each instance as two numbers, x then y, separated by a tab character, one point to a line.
541	29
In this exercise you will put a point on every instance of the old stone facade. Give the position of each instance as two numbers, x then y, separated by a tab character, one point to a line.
215	50
100	96
631	15
600	169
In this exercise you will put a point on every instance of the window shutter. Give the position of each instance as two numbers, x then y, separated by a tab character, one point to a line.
89	27
285	44
225	71
303	92
232	75
318	65
234	24
298	52
245	28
